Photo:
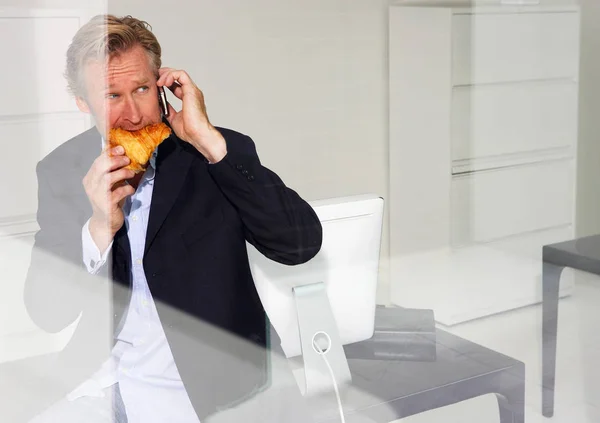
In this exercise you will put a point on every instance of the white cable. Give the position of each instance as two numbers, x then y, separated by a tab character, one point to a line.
335	386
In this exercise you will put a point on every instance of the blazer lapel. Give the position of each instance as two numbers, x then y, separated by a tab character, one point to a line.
90	149
81	156
172	165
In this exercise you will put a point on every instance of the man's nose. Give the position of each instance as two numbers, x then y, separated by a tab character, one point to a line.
132	111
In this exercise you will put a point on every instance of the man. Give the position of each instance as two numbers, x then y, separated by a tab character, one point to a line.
189	329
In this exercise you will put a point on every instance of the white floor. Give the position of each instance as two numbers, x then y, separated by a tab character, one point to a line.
518	334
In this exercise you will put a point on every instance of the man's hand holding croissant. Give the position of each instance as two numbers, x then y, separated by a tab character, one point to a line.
106	190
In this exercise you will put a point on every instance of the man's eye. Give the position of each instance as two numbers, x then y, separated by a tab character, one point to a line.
112	96
142	89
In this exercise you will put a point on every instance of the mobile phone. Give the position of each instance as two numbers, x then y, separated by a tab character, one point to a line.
162	99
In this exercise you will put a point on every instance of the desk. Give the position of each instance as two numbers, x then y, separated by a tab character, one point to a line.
384	391
582	254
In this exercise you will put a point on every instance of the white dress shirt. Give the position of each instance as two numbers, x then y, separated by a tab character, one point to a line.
141	361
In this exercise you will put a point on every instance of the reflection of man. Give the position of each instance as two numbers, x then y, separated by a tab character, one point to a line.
190	330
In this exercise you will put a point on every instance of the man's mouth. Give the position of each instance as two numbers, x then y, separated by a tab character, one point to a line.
133	128
130	128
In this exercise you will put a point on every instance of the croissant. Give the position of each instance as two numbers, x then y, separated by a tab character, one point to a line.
139	145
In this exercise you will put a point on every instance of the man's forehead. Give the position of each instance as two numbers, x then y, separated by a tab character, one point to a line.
130	66
112	76
114	82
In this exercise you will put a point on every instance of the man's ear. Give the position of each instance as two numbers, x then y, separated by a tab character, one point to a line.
82	105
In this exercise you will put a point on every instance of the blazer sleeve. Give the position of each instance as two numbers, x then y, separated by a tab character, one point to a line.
55	286
279	223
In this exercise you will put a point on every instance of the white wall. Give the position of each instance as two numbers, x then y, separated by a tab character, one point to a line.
588	171
307	80
38	110
49	4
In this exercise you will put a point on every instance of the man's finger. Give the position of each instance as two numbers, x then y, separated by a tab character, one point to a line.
175	74
179	77
176	89
164	69
119	176
166	76
119	194
116	151
118	185
115	163
172	113
108	160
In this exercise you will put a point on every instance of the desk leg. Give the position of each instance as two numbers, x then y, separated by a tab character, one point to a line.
550	281
511	404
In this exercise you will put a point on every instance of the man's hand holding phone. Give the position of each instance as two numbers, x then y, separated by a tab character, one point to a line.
106	190
191	123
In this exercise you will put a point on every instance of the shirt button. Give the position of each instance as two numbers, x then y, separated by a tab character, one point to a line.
134	218
138	261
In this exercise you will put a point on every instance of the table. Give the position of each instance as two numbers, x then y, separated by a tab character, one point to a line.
382	390
581	254
386	390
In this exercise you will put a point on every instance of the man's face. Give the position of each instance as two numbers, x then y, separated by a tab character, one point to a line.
122	94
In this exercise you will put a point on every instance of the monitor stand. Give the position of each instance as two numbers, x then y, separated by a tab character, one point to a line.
317	324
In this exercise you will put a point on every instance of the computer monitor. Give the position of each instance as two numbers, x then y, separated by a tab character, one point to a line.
330	299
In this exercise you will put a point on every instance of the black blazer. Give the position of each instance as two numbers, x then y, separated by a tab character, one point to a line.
195	262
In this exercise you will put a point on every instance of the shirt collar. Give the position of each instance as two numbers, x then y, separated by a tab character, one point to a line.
151	170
